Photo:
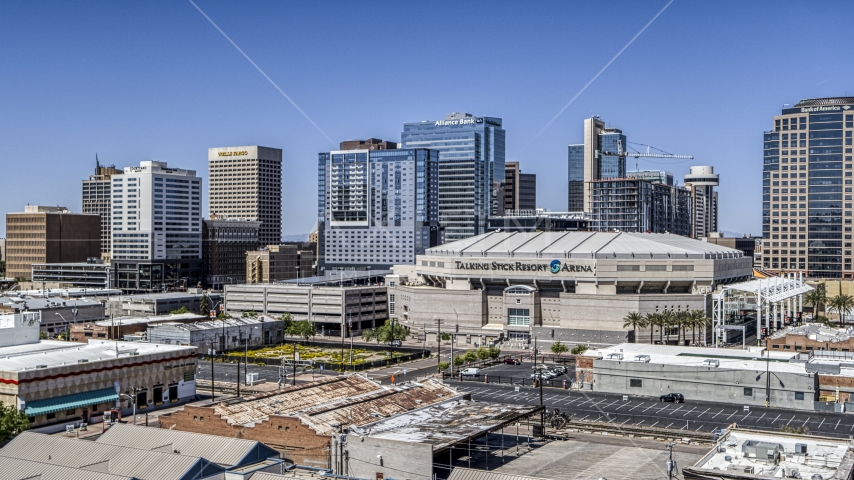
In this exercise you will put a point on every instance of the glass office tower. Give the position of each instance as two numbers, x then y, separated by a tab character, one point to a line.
377	208
600	157
471	165
807	189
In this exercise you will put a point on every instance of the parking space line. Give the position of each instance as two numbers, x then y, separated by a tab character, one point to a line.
715	415
677	409
668	426
775	420
636	406
701	414
627	420
654	424
698	428
790	420
837	424
822	422
760	418
689	411
585	417
730	415
647	408
807	421
745	417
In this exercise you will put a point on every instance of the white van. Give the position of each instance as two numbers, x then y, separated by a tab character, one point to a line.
470	372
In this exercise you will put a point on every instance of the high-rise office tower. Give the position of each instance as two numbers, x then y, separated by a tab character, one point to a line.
97	199
376	208
701	182
157	232
471	168
246	184
807	189
601	156
520	189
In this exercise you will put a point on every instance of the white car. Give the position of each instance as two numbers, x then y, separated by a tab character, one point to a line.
470	372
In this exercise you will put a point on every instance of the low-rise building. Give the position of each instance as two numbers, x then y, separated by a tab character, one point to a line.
742	454
120	328
58	313
90	274
812	337
306	422
332	309
539	220
55	381
719	375
219	335
160	303
746	243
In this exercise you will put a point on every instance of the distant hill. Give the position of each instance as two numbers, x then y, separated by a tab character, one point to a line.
295	238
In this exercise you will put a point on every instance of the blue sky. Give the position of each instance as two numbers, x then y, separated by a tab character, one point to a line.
154	80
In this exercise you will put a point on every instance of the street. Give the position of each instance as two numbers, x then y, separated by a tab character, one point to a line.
694	415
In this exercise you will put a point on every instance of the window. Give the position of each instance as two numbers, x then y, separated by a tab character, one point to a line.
628	268
391	304
50	416
519	316
748	391
656	268
799	395
683	268
635	382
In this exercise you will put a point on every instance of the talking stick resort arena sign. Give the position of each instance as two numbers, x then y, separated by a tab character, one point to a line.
554	267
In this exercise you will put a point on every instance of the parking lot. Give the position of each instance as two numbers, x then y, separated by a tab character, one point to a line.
693	415
522	374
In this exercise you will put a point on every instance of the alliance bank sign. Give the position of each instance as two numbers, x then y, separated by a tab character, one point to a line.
555	266
462	121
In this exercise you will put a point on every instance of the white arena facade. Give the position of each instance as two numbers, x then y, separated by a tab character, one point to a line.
571	286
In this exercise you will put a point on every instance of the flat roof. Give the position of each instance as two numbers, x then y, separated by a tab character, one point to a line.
594	245
824	455
728	358
334	278
446	423
149	319
48	353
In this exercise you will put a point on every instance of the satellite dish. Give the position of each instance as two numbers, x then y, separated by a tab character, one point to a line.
732	441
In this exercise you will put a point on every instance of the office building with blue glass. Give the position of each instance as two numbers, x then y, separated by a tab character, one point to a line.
601	156
471	168
378	206
807	189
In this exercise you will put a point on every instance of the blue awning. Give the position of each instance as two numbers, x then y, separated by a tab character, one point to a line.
70	402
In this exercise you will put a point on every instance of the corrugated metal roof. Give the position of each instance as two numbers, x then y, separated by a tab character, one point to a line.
88	455
17	469
325	404
224	451
461	473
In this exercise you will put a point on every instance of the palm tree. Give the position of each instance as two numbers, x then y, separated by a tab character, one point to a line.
651	321
698	320
634	320
817	298
665	319
841	304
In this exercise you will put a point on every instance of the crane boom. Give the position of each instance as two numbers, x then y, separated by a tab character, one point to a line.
654	155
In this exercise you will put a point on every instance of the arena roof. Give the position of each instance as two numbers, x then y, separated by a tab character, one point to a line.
581	245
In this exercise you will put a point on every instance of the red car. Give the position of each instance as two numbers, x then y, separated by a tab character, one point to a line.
512	361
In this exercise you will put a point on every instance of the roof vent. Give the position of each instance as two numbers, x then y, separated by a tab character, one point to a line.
41	366
83	360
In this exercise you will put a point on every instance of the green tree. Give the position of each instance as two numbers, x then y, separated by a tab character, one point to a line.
458	361
634	320
579	349
470	356
652	320
841	304
287	321
63	335
42	336
204	306
443	366
699	320
370	334
391	330
445	336
665	319
817	297
482	353
301	328
494	352
179	311
249	314
559	348
12	422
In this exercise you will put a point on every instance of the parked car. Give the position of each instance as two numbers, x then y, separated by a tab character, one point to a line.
672	397
470	372
395	343
560	370
512	361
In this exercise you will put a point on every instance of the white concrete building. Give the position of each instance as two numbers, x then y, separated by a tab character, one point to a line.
246	184
156	220
701	181
570	286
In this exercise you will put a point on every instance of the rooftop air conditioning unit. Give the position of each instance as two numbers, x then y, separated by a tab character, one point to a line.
83	360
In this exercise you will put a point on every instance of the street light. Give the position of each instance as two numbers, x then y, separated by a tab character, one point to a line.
132	399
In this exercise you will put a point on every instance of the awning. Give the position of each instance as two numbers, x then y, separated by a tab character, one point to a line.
70	402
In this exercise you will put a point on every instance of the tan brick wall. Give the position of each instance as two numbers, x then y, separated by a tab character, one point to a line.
800	343
295	441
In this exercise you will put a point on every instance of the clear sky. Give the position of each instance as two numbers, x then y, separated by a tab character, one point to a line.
155	80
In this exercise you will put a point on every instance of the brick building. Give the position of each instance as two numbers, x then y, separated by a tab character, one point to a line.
811	337
117	328
49	235
224	247
301	422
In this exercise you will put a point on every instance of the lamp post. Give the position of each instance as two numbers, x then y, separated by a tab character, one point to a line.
132	398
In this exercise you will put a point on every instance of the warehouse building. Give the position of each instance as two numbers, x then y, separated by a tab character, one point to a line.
122	327
53	382
570	286
715	375
160	303
219	335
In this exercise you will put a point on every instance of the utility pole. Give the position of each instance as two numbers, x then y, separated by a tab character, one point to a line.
213	378
294	372
671	464
767	376
439	344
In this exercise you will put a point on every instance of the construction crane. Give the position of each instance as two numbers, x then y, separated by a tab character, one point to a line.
620	153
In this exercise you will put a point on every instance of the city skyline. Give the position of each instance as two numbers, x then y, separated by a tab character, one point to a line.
138	87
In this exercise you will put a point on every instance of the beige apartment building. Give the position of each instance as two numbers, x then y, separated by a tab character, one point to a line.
281	262
97	199
49	235
246	184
